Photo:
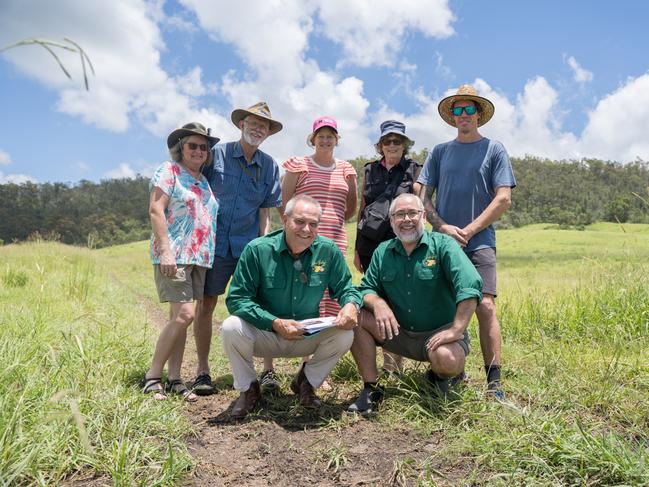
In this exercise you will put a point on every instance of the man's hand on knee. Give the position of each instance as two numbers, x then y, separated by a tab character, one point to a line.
386	323
288	329
450	335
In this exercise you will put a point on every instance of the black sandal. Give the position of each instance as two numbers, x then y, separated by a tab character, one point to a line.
178	387
153	385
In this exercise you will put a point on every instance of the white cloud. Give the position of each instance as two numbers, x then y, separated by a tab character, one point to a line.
179	23
123	41
580	75
617	126
80	166
15	178
371	32
272	39
273	46
532	123
124	170
442	70
5	158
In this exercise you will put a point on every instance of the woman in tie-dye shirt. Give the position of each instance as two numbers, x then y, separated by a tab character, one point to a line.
183	217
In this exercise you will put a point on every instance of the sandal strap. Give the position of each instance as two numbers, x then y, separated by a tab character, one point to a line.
178	387
150	383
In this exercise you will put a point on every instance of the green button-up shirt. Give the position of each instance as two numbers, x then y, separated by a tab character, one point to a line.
266	285
423	288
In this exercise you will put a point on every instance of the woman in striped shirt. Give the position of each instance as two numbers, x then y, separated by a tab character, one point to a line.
332	182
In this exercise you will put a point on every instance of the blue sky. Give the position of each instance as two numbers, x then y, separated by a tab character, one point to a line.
569	79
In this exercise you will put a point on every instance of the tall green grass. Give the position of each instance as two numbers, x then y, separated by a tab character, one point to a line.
73	345
574	310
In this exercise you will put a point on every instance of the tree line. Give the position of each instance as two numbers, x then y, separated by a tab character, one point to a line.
568	193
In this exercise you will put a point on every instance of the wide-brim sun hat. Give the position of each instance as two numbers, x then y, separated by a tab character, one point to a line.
394	127
469	93
192	128
261	110
319	123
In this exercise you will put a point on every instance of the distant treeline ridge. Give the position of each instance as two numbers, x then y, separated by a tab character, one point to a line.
568	193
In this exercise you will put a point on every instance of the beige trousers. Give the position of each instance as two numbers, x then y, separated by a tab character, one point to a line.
241	341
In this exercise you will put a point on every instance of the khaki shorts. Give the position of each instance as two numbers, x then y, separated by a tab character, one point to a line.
185	287
484	261
412	345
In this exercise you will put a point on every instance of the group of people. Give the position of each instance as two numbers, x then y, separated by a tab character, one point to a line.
210	214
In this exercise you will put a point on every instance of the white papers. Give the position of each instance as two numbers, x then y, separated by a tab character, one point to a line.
314	325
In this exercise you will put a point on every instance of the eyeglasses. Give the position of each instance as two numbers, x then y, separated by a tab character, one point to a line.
297	265
401	215
470	110
194	146
257	125
394	141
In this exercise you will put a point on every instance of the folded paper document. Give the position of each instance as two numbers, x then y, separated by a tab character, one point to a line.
314	325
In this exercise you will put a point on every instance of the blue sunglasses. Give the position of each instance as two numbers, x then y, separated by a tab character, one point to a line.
470	110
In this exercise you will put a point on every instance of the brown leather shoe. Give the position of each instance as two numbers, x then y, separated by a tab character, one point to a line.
304	390
247	401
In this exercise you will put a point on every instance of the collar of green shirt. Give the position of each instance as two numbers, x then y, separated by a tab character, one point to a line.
396	245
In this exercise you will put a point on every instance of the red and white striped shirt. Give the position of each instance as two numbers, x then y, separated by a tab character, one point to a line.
327	185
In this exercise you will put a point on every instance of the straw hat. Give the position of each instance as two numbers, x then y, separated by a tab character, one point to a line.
193	128
259	109
466	92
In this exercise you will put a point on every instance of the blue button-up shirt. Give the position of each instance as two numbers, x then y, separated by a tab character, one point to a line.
240	193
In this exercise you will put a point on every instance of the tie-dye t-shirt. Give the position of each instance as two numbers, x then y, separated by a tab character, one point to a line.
190	214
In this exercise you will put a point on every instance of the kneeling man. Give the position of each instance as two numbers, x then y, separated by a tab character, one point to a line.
419	294
280	279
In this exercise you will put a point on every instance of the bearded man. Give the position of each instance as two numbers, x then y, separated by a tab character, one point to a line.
245	181
419	294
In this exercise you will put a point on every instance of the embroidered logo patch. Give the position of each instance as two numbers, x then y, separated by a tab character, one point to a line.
430	262
318	267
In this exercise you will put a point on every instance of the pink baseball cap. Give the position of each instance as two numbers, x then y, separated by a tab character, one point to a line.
325	121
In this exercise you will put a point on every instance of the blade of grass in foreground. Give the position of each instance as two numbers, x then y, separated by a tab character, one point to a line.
73	346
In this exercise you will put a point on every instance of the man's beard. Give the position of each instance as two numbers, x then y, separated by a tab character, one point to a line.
252	140
409	236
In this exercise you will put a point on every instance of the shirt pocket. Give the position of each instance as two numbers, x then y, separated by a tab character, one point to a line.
318	279
274	281
229	179
255	192
389	276
427	273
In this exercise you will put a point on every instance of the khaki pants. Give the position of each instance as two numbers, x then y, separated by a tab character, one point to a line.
242	341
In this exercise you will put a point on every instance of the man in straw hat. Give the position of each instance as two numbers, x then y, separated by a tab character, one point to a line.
245	181
473	180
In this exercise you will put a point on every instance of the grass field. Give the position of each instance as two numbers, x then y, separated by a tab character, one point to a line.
75	338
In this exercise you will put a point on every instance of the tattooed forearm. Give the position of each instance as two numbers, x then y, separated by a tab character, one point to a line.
431	214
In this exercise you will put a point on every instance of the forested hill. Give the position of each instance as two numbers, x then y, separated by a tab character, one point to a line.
573	193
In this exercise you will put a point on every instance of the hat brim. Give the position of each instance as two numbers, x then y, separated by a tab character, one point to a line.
240	113
395	131
487	108
178	134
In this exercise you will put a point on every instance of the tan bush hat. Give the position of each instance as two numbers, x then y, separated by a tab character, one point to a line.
259	109
466	92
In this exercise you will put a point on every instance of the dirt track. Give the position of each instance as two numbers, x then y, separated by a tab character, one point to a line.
285	445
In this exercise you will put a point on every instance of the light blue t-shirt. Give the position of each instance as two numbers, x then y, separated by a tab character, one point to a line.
465	177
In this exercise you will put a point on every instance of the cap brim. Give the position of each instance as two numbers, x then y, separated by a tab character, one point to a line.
239	114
